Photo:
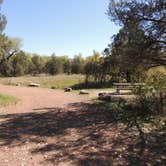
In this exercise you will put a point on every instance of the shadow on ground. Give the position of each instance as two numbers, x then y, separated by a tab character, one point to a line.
83	134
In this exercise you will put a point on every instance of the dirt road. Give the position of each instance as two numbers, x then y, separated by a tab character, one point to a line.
52	128
31	98
16	140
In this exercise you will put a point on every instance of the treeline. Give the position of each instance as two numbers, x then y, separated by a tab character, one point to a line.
97	67
22	63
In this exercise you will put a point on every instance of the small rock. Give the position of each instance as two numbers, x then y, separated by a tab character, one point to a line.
54	87
104	96
34	85
84	92
67	89
18	84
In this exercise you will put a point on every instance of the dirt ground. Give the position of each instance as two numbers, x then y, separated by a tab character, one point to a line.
52	128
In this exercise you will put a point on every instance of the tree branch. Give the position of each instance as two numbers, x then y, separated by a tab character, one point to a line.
153	20
11	54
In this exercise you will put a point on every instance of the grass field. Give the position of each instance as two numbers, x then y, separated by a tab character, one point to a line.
6	100
59	81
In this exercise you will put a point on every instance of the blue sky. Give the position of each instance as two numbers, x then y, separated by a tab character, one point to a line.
66	27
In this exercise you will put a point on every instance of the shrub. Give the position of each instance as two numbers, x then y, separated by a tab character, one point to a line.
152	97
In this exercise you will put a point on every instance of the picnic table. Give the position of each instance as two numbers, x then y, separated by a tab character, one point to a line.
127	86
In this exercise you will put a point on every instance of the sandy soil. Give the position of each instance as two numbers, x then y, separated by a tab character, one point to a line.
52	128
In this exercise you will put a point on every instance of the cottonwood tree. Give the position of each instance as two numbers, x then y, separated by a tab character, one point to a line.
3	20
20	63
8	46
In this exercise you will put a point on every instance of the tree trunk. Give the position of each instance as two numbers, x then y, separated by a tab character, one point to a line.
128	76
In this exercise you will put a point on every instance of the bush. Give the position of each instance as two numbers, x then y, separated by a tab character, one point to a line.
152	97
90	85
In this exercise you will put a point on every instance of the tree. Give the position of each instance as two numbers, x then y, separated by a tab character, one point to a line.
77	64
8	46
3	20
37	64
143	34
129	52
64	63
51	66
97	68
92	67
67	66
6	68
20	64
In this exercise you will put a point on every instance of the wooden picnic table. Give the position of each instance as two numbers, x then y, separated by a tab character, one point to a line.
127	86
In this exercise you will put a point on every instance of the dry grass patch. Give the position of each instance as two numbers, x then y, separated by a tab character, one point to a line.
58	81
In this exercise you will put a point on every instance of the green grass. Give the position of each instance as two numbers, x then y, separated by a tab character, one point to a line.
7	100
59	81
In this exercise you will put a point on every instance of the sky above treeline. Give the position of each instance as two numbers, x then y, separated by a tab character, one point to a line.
63	27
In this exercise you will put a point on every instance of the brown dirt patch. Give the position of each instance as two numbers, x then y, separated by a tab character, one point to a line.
53	128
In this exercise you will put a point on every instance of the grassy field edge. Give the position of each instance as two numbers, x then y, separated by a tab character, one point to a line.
6	100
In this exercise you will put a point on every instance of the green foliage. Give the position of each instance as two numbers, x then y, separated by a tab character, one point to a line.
157	81
91	85
97	69
3	20
141	39
152	97
53	66
65	64
77	64
6	68
37	64
20	64
8	47
140	43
